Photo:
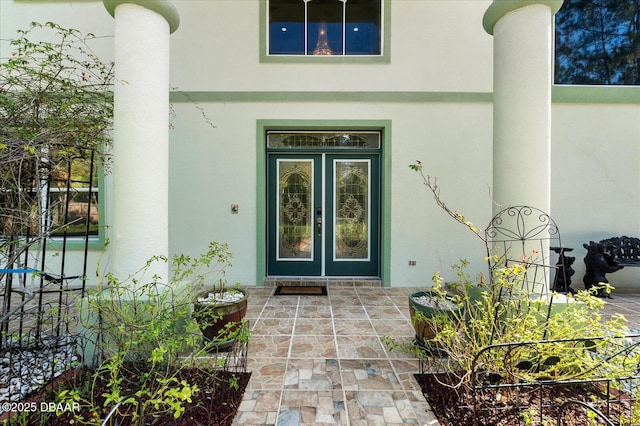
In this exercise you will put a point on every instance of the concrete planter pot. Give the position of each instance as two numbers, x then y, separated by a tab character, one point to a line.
219	321
426	331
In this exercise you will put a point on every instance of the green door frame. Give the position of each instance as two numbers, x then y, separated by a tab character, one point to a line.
342	266
264	125
321	202
310	265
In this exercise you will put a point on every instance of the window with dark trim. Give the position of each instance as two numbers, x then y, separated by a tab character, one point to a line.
325	27
73	199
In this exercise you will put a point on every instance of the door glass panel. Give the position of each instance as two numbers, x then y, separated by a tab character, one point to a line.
295	195
352	210
324	140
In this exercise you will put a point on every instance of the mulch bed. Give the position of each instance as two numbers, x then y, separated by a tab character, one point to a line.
216	403
454	406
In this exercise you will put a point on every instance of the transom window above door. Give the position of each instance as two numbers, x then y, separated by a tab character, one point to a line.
325	27
323	140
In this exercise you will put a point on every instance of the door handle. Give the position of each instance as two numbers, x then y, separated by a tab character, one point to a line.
319	226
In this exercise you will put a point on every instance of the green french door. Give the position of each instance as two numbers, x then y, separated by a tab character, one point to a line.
323	214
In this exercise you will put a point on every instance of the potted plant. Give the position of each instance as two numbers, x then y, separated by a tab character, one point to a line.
219	310
488	339
221	315
143	349
431	307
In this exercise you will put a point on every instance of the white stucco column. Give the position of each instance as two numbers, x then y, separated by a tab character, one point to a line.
522	79
139	227
523	57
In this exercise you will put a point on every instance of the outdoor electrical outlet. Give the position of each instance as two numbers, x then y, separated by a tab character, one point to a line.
412	263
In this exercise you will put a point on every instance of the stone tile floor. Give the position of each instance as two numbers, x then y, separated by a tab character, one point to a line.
319	360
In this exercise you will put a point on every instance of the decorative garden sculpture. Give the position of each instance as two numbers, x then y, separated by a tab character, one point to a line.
598	263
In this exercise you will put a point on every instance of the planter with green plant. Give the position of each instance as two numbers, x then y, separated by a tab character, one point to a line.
494	338
221	317
147	351
219	310
427	310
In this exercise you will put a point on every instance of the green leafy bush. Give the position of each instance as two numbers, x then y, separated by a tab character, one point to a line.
146	337
492	312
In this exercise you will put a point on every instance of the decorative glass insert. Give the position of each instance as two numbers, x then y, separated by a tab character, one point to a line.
349	140
295	221
325	27
352	209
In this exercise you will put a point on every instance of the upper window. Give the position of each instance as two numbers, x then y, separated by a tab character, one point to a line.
325	27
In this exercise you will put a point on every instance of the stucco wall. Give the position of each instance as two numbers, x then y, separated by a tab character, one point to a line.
595	174
211	168
435	46
436	94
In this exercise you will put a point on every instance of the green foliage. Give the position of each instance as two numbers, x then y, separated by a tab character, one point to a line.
149	323
147	336
56	111
598	42
54	93
483	318
205	271
492	328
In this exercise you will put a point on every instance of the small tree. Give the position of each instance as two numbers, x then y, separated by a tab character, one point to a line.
55	106
55	113
498	309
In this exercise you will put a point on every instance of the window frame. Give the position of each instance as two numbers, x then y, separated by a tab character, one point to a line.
384	57
92	241
44	217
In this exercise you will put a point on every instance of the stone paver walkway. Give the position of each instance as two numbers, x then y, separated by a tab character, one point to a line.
319	360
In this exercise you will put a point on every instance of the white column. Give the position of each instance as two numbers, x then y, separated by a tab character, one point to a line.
139	229
522	79
523	57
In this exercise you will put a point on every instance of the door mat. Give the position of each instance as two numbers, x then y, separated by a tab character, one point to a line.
300	290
